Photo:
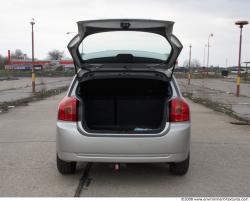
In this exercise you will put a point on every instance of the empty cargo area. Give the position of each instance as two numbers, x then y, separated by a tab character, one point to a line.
124	105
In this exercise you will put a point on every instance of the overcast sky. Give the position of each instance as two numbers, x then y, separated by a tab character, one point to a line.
194	21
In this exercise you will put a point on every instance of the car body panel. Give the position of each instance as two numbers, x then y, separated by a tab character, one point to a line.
72	145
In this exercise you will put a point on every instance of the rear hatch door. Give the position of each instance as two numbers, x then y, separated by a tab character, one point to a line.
124	59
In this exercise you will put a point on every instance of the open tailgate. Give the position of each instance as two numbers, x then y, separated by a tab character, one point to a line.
163	28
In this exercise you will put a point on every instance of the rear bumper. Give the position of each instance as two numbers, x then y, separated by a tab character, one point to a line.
105	158
172	146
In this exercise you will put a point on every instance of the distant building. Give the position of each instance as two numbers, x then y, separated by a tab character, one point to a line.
39	65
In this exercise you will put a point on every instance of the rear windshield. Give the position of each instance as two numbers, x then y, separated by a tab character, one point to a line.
125	45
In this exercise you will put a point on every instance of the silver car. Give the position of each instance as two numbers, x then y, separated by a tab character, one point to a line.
124	105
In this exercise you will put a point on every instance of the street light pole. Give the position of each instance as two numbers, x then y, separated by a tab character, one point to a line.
241	24
204	56
33	66
210	35
189	65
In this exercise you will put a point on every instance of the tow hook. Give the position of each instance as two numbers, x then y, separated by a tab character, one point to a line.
117	166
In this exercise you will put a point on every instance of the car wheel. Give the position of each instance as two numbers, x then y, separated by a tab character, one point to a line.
65	167
180	168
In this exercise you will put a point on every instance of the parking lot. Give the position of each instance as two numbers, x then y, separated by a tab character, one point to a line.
226	85
20	88
99	99
220	93
220	158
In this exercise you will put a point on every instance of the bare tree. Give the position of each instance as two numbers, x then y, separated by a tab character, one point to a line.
55	55
195	63
3	61
17	54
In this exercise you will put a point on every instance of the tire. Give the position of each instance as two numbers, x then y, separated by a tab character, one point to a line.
180	168
65	167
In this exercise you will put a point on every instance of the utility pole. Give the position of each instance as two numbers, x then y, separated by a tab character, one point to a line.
9	57
33	78
210	35
189	65
241	24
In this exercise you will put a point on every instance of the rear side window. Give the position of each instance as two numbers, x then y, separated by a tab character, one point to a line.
135	44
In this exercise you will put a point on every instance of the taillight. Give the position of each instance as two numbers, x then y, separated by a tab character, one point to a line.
67	109
179	110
